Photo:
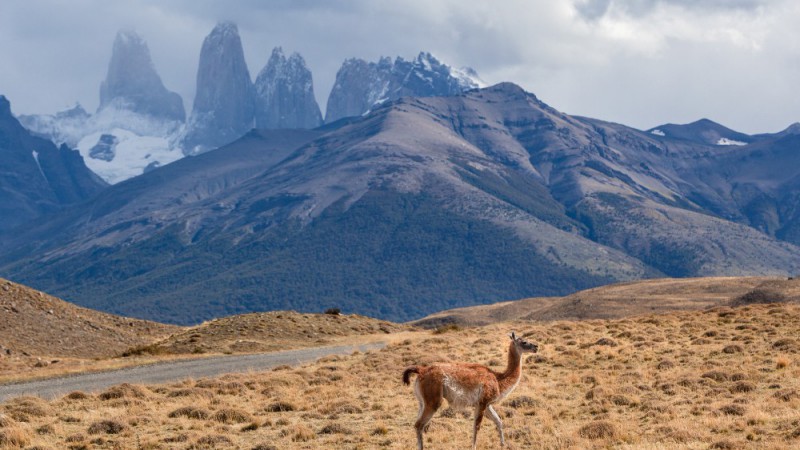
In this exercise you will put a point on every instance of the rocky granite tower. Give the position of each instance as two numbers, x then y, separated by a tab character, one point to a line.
361	85
224	101
285	94
133	84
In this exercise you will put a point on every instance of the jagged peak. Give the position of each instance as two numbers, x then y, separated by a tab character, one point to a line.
226	27
127	36
75	111
5	106
277	52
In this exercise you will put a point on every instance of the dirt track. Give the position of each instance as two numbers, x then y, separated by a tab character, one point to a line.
174	370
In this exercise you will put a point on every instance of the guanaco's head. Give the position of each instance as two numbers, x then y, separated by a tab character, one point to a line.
522	345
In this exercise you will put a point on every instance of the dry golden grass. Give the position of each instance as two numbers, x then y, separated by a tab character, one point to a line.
42	336
645	382
270	331
34	323
628	299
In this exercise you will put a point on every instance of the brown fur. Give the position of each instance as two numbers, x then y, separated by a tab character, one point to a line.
466	384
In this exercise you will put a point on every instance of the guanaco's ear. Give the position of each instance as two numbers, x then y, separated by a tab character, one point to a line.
513	336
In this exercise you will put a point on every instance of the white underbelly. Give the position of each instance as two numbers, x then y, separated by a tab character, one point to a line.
459	396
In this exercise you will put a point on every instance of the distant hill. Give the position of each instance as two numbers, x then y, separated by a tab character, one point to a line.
38	324
627	299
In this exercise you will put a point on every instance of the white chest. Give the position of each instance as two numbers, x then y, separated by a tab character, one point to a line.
509	390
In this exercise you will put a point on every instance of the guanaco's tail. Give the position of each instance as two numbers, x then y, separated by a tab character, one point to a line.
407	374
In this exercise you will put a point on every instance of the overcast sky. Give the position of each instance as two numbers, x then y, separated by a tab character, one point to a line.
637	62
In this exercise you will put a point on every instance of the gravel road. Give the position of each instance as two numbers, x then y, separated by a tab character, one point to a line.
175	370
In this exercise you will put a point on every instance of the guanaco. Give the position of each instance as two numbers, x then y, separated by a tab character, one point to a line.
467	385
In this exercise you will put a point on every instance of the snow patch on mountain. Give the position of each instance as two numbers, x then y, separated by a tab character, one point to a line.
132	153
468	77
726	141
133	141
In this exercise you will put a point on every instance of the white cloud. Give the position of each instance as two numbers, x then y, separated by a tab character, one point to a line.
639	62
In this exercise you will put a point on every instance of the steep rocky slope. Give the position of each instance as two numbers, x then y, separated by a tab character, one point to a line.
423	204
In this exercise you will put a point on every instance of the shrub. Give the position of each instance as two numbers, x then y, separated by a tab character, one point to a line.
231	416
279	407
522	401
743	386
190	412
446	328
758	295
76	395
732	410
716	375
149	349
212	441
106	426
597	430
334	428
12	434
124	390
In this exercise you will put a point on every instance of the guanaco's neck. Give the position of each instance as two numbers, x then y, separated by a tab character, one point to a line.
513	369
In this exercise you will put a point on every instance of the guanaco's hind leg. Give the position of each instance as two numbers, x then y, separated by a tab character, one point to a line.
496	419
479	411
430	399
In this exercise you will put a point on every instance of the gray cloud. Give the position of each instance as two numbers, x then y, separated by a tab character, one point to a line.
594	9
641	62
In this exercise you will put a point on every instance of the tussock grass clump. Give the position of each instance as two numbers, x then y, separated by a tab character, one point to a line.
211	441
757	296
13	434
149	349
280	407
77	437
730	349
264	447
446	328
522	401
716	375
190	412
727	445
76	395
786	395
252	426
733	410
124	390
335	428
299	433
341	407
742	387
599	429
189	392
230	415
665	365
106	426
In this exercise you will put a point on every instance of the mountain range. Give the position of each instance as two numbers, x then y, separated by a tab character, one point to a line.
422	204
141	125
36	177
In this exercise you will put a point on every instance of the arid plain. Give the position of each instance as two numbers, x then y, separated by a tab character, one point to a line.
718	368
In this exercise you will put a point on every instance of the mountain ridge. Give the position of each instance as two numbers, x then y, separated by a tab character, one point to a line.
424	203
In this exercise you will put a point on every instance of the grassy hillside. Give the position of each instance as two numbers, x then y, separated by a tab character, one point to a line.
718	378
627	299
390	255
